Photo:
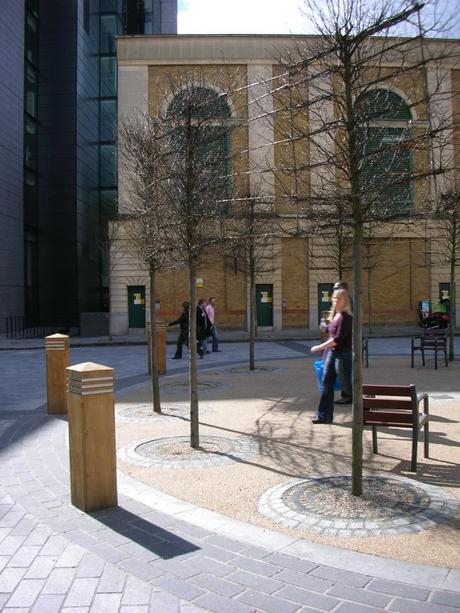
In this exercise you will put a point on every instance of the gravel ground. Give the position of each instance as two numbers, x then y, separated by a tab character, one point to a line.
274	408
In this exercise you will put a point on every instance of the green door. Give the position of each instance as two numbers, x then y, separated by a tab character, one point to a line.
324	298
264	300
136	306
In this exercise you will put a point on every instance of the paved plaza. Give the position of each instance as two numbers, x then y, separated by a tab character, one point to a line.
155	552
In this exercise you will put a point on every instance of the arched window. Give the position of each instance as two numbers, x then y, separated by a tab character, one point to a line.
207	114
386	160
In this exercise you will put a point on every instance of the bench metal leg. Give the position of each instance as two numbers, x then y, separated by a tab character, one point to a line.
426	440
413	464
374	440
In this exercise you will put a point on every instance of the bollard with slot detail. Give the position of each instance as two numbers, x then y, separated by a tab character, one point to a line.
93	478
161	346
57	360
148	332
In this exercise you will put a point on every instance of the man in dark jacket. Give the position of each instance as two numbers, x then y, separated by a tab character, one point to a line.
183	334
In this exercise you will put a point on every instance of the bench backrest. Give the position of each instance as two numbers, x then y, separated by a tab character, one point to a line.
392	403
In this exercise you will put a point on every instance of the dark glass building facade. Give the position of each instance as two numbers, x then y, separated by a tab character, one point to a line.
58	179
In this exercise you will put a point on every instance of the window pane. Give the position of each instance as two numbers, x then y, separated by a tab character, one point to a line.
31	38
109	202
31	91
386	171
108	120
109	5
108	32
86	15
108	165
108	84
30	144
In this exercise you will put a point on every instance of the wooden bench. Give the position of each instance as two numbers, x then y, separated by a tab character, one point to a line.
396	406
434	340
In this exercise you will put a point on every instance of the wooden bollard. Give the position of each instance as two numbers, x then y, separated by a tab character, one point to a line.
148	332
161	346
57	360
93	476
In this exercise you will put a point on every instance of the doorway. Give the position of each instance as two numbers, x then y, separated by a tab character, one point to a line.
136	306
264	302
324	298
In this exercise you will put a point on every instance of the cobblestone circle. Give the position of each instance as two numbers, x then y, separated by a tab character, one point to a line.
175	452
143	413
390	506
183	386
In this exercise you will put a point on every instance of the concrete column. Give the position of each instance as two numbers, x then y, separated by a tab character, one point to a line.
260	131
93	478
57	360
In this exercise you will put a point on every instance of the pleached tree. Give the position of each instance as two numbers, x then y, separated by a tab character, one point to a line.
176	161
143	148
355	150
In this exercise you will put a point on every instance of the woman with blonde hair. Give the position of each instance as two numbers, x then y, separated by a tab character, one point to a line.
338	358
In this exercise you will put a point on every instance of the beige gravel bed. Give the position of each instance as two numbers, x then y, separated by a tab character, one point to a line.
275	409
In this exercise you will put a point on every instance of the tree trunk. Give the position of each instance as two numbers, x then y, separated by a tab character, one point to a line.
193	368
369	291
357	417
154	344
357	212
252	319
452	310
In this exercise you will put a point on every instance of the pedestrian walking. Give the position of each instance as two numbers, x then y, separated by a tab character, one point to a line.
211	313
203	327
338	357
182	339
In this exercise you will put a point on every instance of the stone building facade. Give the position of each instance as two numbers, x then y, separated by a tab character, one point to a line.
401	260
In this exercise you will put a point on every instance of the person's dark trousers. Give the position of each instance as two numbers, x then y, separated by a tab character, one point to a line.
215	338
181	340
343	367
326	403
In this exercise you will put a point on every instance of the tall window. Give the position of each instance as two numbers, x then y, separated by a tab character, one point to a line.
386	161
209	114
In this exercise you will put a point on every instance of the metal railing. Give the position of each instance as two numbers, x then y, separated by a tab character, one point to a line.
19	326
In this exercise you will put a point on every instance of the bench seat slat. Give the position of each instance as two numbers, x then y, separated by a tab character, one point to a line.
387	403
383	420
387	390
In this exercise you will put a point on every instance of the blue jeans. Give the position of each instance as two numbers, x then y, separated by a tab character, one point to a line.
335	364
344	367
215	338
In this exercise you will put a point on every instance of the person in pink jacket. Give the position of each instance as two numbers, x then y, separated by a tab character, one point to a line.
210	311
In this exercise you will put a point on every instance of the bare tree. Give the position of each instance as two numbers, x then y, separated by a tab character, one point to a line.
251	232
360	133
447	219
147	217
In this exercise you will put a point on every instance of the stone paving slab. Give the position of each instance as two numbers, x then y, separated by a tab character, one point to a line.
154	553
